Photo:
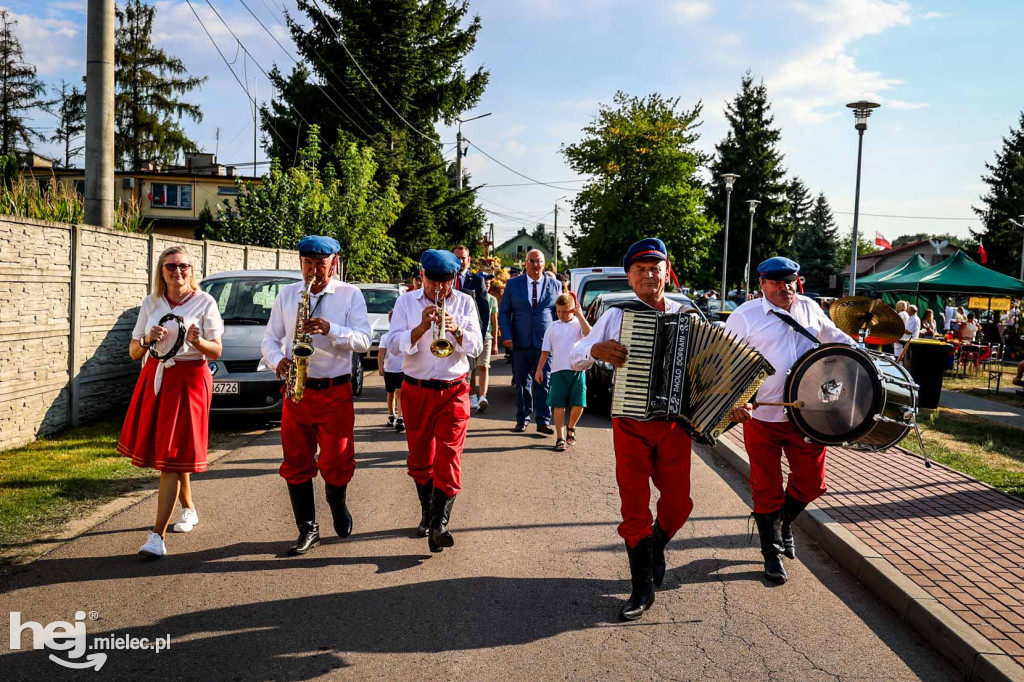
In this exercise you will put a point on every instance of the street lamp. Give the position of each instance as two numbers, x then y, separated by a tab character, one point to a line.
1020	224
750	246
730	179
458	149
861	111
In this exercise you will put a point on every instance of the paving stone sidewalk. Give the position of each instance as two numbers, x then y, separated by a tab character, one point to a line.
958	539
1001	413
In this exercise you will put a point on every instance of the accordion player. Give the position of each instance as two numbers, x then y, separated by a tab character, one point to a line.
681	367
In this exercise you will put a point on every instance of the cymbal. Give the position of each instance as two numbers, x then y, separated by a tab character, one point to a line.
853	313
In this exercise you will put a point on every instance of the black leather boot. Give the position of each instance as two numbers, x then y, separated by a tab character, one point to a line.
769	529
339	510
438	536
304	508
425	492
642	596
790	510
659	539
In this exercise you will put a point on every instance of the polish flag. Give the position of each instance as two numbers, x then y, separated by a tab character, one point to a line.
880	240
982	256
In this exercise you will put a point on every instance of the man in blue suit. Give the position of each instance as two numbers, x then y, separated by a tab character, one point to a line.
527	310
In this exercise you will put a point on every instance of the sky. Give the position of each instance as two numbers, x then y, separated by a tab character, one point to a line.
944	72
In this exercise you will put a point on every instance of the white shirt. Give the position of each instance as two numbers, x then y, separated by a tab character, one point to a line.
607	328
913	327
200	310
417	360
949	315
755	324
392	361
904	315
339	303
559	339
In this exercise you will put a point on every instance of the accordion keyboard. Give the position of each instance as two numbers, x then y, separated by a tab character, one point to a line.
633	379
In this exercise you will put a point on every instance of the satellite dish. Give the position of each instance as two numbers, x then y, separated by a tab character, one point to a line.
938	246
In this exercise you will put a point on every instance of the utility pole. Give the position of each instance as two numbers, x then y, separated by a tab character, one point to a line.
556	231
99	114
255	109
458	149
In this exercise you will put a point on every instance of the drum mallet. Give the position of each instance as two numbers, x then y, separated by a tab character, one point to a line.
797	404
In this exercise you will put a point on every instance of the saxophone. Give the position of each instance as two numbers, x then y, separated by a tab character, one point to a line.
302	349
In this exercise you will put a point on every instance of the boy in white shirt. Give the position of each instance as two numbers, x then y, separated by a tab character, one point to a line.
568	387
389	366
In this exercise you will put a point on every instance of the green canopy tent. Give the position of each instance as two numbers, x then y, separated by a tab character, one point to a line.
868	284
958	274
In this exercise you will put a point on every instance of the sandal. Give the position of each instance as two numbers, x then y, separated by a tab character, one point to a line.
560	445
570	436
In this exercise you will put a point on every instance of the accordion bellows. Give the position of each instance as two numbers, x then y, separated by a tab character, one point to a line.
680	367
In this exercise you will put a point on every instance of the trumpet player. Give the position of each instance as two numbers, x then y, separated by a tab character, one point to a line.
436	330
317	412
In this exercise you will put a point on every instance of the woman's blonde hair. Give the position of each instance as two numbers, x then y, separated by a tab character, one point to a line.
901	306
159	285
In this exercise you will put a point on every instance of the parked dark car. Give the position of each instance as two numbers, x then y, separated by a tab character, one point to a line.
712	309
242	381
600	375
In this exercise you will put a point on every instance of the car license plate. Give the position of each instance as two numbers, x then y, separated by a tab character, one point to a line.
225	387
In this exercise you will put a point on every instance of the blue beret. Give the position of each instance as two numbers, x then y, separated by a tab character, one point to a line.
440	266
645	248
318	246
779	268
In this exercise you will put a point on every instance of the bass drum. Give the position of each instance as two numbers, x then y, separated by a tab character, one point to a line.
851	397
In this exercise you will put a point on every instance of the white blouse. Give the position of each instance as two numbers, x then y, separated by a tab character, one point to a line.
200	310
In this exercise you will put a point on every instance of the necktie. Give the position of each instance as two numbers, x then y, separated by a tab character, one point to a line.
458	281
534	300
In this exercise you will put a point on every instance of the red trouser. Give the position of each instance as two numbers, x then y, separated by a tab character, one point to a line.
325	418
765	443
658	450
435	427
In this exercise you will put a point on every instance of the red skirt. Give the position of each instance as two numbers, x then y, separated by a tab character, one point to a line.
169	431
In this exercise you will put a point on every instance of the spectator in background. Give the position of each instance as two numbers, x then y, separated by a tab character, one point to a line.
416	281
913	324
901	310
483	361
928	326
526	311
969	329
475	285
949	315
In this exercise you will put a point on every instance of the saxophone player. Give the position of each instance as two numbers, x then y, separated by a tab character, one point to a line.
337	325
435	330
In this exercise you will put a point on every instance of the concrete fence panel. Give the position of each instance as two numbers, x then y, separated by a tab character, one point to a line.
69	299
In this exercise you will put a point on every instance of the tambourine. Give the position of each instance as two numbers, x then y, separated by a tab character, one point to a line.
178	343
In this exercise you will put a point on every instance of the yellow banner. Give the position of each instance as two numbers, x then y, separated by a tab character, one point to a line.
982	303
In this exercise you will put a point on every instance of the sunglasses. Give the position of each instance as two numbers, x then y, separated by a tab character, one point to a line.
171	267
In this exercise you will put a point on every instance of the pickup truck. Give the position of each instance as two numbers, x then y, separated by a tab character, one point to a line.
589	283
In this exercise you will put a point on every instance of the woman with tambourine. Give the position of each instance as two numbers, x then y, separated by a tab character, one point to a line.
167	426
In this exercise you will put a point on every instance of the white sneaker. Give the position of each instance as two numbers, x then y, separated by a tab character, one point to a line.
189	518
154	546
482	404
474	401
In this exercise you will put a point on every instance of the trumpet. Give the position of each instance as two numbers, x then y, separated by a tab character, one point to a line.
441	347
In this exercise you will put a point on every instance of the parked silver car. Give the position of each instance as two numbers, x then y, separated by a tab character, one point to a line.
380	300
243	383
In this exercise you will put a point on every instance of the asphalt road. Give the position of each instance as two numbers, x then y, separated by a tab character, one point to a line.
530	591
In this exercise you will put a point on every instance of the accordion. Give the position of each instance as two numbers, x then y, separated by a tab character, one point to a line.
680	367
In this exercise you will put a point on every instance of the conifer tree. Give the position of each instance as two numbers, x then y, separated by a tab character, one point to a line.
385	72
20	91
149	85
815	244
750	148
1004	201
800	206
70	113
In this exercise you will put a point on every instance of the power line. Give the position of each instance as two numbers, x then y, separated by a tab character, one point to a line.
341	40
526	177
531	184
524	214
910	217
323	61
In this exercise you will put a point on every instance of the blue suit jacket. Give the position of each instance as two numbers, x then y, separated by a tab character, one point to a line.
518	319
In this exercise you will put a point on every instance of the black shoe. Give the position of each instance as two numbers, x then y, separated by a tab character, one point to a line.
642	596
339	510
545	429
659	540
769	530
438	536
304	508
400	425
391	420
520	427
424	492
790	510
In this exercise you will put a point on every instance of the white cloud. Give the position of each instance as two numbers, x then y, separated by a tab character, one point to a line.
813	86
933	15
51	44
691	10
